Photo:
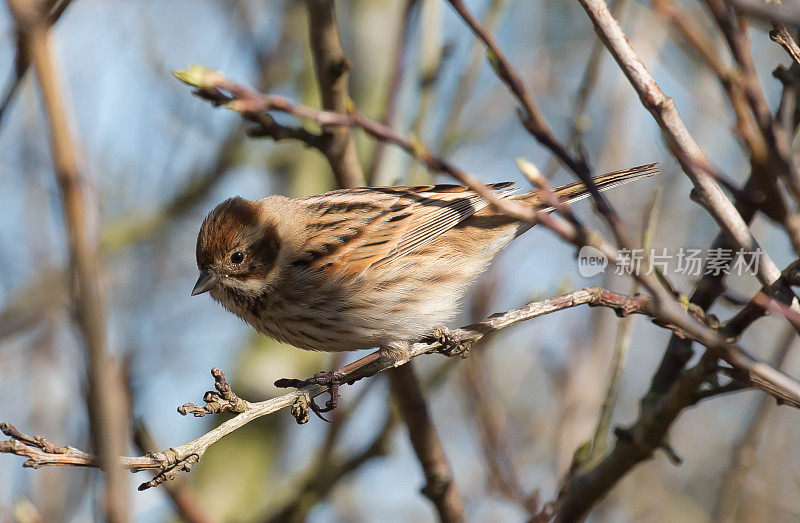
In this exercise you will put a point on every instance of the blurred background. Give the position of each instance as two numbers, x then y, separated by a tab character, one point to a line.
158	159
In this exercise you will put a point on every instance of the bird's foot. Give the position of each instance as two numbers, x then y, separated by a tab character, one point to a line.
331	380
451	343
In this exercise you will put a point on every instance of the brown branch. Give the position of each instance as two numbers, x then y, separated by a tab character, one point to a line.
778	143
106	395
214	87
634	445
183	497
174	460
782	37
326	475
741	456
332	73
760	191
535	123
672	389
440	487
678	137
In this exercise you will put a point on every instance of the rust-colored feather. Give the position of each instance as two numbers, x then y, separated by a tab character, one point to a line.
383	224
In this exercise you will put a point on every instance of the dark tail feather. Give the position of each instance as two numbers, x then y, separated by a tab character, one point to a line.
575	191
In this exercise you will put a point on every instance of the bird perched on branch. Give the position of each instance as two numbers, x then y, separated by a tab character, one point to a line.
361	268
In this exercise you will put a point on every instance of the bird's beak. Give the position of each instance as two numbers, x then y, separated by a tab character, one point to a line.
205	282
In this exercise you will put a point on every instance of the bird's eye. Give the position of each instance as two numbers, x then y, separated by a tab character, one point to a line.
237	257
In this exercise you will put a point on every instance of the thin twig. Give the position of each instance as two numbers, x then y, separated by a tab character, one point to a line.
621	344
781	36
184	499
332	68
106	404
586	87
182	457
741	457
467	80
440	487
678	137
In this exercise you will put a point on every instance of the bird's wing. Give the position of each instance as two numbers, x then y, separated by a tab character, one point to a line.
353	229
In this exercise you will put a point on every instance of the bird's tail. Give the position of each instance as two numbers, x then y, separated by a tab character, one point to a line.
575	191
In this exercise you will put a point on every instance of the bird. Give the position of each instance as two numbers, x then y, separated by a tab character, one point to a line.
368	267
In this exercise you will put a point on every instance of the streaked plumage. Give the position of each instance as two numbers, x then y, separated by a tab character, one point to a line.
359	268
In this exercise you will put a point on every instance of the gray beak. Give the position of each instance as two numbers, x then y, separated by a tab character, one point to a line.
205	282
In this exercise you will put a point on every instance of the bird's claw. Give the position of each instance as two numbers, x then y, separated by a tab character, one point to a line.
451	343
331	380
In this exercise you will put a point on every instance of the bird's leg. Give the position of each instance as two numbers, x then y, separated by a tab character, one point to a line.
451	343
331	380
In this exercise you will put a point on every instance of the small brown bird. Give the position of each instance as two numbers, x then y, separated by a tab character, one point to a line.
360	268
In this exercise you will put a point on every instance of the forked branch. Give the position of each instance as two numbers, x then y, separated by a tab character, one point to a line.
170	462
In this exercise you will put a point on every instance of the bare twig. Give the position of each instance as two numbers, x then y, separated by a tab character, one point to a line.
183	498
180	458
621	344
106	394
781	36
678	137
440	487
774	11
742	456
467	80
332	73
213	86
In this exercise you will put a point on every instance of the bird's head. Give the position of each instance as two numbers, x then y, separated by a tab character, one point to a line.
237	248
